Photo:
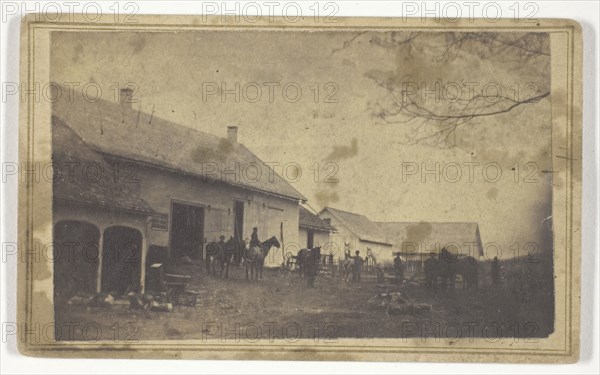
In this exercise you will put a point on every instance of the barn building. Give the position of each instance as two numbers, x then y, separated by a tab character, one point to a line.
137	187
313	231
416	240
356	232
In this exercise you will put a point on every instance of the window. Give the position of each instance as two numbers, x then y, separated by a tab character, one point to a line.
160	222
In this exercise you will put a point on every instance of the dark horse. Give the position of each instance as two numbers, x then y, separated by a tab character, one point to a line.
302	256
254	257
231	254
448	266
221	255
305	256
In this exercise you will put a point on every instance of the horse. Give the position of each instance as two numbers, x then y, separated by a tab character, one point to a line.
347	266
310	259
229	253
254	257
301	258
448	266
300	261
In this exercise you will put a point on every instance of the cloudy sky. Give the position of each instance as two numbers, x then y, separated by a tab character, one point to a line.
333	120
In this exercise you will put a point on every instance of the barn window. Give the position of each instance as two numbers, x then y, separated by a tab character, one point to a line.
160	222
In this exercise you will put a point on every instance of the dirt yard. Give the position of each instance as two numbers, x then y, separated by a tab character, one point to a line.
281	306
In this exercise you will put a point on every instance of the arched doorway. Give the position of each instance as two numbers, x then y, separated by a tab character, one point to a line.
121	260
75	257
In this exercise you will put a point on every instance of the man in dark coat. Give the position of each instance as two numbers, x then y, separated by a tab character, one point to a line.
254	241
430	270
358	265
221	242
398	269
495	272
222	257
310	267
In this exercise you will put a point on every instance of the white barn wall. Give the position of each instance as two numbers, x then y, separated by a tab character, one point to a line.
161	187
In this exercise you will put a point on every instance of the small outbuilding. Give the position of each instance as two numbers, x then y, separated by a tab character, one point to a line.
355	232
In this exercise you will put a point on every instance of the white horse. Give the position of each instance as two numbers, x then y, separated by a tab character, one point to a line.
347	266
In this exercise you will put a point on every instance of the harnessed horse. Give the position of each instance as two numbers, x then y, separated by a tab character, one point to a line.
302	258
305	256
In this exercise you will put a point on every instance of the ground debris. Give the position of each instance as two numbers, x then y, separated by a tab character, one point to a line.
80	300
408	308
381	300
139	301
394	304
159	302
162	307
102	300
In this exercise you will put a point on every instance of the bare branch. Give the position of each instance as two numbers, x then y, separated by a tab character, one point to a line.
434	123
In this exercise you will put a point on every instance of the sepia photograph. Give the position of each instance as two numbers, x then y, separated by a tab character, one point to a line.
369	190
208	201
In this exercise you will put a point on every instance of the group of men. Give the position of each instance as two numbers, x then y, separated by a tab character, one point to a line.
358	266
213	253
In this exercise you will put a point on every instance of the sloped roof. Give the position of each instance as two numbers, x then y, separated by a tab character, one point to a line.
312	221
425	237
360	225
119	130
71	158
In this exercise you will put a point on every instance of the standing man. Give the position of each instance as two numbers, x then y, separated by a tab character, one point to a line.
495	272
358	265
222	257
254	241
430	270
398	269
310	267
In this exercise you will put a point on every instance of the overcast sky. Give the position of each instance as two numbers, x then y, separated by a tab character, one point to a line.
174	70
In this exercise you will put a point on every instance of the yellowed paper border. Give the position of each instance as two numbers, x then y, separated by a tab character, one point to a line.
35	213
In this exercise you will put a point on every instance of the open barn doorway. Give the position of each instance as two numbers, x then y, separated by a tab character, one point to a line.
238	223
121	260
75	256
187	230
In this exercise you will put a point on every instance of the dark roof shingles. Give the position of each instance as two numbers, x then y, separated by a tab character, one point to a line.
122	131
82	175
310	220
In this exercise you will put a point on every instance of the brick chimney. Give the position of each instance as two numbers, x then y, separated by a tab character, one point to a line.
232	133
126	97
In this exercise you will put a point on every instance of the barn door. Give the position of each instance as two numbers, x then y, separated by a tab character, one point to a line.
75	258
121	260
187	230
238	224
